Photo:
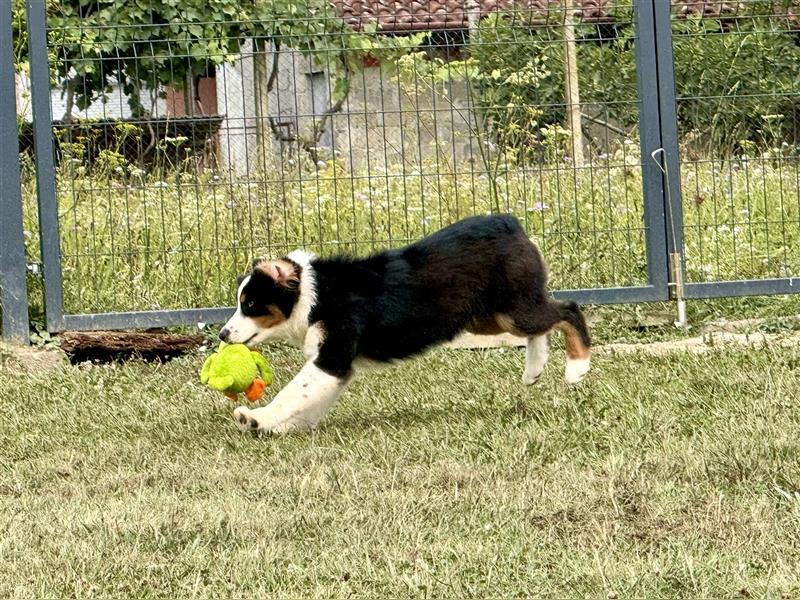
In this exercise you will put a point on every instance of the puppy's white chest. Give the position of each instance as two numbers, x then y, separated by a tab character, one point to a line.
313	340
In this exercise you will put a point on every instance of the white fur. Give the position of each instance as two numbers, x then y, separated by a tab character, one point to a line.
239	327
314	338
302	404
536	355
576	369
295	328
362	363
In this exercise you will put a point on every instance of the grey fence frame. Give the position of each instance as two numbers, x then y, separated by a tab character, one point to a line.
663	217
13	290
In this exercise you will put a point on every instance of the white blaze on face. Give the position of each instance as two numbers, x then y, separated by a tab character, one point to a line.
241	328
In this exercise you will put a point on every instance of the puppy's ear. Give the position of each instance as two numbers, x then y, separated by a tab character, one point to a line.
283	272
253	266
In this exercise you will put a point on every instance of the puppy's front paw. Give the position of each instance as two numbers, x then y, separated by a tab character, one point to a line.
258	420
244	420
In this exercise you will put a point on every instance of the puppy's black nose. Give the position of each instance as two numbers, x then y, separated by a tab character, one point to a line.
224	335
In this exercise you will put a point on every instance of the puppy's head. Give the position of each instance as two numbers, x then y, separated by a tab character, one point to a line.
266	298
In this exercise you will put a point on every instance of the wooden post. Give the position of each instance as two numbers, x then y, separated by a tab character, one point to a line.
189	94
261	72
572	93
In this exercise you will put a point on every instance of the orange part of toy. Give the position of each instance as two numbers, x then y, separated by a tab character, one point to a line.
255	390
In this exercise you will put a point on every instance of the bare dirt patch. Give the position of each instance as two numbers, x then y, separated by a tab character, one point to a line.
707	342
27	360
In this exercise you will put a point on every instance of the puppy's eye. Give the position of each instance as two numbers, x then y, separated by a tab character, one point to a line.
251	304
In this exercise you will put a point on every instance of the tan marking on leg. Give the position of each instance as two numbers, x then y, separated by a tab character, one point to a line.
507	324
576	349
485	326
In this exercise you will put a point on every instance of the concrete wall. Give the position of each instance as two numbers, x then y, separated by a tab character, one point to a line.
386	122
382	123
236	100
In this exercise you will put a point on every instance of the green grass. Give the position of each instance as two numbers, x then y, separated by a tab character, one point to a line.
444	477
133	241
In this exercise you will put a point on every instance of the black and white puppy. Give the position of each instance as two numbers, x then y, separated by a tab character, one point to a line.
481	275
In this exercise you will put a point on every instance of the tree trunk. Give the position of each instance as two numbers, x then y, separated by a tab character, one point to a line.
572	94
261	87
188	96
69	93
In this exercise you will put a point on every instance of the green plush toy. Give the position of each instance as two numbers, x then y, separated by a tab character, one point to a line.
233	369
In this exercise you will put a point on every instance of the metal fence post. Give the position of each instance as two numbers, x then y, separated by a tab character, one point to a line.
45	164
647	76
671	155
13	289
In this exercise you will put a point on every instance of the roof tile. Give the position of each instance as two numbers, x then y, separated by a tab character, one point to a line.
410	15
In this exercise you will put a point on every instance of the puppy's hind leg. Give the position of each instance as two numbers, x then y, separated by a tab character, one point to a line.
537	352
577	341
535	320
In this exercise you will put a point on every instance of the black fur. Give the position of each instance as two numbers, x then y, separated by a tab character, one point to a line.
262	292
481	274
398	303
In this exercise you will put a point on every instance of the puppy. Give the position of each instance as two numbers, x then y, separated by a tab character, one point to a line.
481	275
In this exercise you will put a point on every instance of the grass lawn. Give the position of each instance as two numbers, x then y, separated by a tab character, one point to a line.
666	476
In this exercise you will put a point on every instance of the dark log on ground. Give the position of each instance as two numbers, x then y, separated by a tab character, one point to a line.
106	346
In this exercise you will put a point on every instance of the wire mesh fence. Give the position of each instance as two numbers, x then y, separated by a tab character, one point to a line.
738	122
190	139
187	146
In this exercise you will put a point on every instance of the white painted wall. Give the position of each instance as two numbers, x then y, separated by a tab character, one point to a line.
113	105
236	100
